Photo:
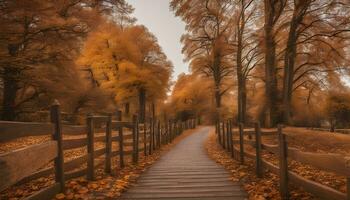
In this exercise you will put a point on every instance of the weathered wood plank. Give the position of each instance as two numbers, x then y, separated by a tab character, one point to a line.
36	175
98	120
101	138
325	161
315	188
74	163
115	138
12	130
74	143
18	164
73	130
46	193
80	172
124	124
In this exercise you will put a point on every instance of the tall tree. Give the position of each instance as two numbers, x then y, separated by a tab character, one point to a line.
130	62
42	32
273	9
247	52
206	42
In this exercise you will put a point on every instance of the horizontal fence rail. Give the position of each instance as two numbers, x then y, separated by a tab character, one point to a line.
130	137
330	162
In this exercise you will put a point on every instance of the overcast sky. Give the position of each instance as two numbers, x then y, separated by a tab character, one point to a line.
157	17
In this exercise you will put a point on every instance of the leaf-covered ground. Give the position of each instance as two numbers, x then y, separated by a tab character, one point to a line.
258	188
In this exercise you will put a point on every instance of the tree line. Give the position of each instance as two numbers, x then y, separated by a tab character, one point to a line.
88	54
273	61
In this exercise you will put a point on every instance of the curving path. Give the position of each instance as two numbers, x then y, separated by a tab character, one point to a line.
186	172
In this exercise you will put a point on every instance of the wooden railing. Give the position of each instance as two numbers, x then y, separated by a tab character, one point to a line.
24	165
336	130
330	162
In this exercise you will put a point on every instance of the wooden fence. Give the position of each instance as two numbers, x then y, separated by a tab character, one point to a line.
331	162
336	130
23	165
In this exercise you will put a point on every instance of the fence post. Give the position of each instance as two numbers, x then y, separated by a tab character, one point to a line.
150	137
145	138
57	136
158	133
154	134
228	136
223	135
90	147
232	144
241	143
259	170
283	164
135	149
121	140
108	144
348	188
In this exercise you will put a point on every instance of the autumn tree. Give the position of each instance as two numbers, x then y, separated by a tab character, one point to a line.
247	49
273	10
41	33
130	63
189	98
317	38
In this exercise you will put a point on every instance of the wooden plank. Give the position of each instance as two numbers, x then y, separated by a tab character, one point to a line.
115	138
98	120
325	161
315	188
20	163
267	133
74	163
36	175
99	152
127	136
80	172
124	124
271	167
115	153
75	174
69	165
128	143
74	143
46	193
73	130
270	148
12	130
101	138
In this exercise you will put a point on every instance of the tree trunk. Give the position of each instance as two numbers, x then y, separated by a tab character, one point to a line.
300	8
10	79
240	76
270	66
142	105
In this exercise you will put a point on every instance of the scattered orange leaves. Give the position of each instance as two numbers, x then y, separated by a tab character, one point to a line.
258	188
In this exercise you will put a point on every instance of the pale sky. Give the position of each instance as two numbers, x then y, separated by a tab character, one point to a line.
157	17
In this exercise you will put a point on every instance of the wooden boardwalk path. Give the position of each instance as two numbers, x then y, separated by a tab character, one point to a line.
186	172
